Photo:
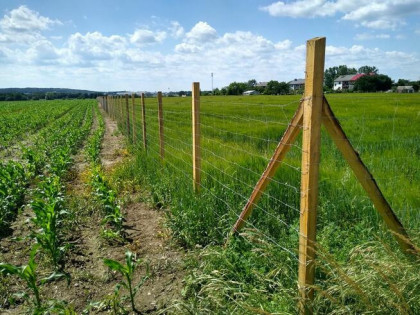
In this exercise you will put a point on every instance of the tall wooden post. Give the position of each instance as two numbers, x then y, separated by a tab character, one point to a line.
120	103
127	114
196	135
143	120
133	117
160	119
311	146
112	106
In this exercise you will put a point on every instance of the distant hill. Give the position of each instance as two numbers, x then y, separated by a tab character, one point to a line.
29	90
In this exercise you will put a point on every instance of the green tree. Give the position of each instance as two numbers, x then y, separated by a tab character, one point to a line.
403	82
237	88
373	83
332	73
252	83
275	87
368	70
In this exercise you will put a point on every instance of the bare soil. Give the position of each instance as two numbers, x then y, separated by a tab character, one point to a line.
90	279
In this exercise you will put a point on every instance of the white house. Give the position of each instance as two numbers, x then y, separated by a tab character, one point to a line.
346	82
262	85
297	84
405	89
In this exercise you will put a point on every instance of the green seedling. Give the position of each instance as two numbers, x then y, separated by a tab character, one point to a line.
29	275
48	207
13	183
108	199
127	271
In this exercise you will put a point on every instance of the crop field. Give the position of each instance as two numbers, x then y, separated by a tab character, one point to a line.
359	268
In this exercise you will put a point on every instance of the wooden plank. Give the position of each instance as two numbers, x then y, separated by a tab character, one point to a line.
366	179
160	119
143	120
283	147
127	115
196	136
133	117
311	147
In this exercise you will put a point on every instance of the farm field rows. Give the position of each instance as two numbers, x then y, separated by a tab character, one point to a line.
19	119
256	272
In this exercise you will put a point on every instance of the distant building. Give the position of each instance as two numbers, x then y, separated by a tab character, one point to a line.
405	89
250	92
346	82
262	85
297	84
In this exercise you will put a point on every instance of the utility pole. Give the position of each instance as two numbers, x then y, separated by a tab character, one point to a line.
212	92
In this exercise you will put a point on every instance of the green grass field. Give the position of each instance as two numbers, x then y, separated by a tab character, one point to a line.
239	135
359	267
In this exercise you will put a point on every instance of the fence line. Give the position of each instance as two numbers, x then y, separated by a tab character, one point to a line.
209	127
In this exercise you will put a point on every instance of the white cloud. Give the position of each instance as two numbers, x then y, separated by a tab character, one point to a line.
376	14
145	36
95	45
24	19
187	48
201	32
370	36
43	52
301	8
23	26
177	31
286	44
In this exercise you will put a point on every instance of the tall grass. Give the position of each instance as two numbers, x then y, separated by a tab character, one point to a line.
239	135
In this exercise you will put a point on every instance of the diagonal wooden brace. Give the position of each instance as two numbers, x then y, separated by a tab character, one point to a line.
365	178
283	147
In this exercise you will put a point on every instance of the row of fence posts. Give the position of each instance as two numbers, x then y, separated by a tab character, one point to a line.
114	105
312	112
117	106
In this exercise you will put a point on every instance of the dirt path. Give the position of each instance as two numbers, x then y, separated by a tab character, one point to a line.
112	144
147	237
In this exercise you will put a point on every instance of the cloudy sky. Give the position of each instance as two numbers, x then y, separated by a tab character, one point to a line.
165	45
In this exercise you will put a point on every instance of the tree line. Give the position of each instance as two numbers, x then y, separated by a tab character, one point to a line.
273	87
18	96
372	81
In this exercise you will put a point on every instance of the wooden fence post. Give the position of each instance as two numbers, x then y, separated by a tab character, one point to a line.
160	119
196	135
121	120
112	106
127	114
143	120
311	145
133	117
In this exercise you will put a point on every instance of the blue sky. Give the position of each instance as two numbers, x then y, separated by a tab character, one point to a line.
166	45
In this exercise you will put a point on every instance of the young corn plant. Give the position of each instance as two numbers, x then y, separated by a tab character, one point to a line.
127	271
28	274
107	198
48	206
13	183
